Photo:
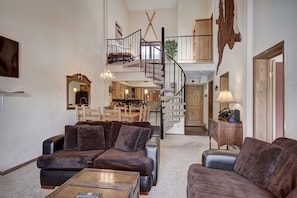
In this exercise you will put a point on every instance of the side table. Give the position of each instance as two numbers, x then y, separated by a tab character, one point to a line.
224	132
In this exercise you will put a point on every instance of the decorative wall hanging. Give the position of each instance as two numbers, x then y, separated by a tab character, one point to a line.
150	20
9	58
228	32
118	31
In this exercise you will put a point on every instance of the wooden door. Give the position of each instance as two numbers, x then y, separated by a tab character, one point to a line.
194	104
202	41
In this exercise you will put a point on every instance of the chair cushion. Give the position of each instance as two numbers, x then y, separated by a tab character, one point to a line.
257	160
70	138
121	160
90	137
68	160
131	138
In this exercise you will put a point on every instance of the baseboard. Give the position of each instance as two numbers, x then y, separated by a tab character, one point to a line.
16	167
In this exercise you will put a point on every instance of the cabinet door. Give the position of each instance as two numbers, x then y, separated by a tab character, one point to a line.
138	93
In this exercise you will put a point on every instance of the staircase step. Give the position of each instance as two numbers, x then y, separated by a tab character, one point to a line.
167	110
173	104
170	97
135	63
166	90
172	117
158	82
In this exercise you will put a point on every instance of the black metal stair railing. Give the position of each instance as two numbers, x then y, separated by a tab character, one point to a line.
169	76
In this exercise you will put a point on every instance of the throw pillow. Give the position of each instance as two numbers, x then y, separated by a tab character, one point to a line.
70	138
257	160
293	193
145	135
90	137
128	138
284	180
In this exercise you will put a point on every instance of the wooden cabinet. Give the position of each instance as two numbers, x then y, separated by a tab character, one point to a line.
225	133
118	92
138	93
202	40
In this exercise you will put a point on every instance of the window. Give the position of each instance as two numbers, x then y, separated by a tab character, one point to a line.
151	50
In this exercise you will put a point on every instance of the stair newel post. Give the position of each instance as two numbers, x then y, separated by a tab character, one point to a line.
162	86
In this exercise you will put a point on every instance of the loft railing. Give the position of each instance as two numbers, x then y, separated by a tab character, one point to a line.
193	48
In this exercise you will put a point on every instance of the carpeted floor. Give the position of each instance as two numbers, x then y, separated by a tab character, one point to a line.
177	153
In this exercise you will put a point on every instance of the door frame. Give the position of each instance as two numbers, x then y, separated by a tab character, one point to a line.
265	58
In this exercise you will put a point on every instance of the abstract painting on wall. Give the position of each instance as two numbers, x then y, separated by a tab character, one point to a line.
9	57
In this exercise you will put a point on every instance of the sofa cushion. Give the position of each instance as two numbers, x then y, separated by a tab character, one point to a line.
70	138
128	138
90	137
116	126
68	160
282	183
121	160
216	183
257	160
293	193
283	179
107	129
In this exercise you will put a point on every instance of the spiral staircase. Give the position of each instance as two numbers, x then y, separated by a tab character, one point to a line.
169	76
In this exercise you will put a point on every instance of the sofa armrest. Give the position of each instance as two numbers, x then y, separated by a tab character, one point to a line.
152	148
219	159
53	144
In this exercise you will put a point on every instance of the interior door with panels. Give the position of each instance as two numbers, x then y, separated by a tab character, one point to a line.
194	104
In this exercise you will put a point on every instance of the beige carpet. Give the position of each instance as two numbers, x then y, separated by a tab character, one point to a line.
177	153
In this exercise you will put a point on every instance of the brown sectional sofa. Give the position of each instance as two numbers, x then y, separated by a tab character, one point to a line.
260	170
97	144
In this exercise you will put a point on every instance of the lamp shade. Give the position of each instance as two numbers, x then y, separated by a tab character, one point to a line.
225	97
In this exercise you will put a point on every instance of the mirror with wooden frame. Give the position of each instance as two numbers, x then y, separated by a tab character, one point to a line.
224	85
78	90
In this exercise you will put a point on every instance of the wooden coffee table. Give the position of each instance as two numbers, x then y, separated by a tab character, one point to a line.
111	183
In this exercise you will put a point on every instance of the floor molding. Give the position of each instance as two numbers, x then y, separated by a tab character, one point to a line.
16	167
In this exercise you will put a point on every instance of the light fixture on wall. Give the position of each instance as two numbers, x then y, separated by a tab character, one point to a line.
145	95
107	75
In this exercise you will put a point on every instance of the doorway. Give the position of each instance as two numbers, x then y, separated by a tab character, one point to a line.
210	99
268	94
194	102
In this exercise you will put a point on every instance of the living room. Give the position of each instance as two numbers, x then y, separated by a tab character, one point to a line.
60	38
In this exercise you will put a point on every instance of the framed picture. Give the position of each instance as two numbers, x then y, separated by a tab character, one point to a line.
9	57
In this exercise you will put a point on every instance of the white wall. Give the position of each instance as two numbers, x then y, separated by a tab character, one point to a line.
166	18
189	11
233	62
56	38
276	24
117	12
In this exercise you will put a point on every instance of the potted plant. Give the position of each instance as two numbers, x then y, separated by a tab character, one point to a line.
170	47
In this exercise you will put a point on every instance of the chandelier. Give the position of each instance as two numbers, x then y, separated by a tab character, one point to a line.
106	74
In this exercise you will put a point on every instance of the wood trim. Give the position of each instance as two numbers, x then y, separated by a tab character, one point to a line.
17	167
